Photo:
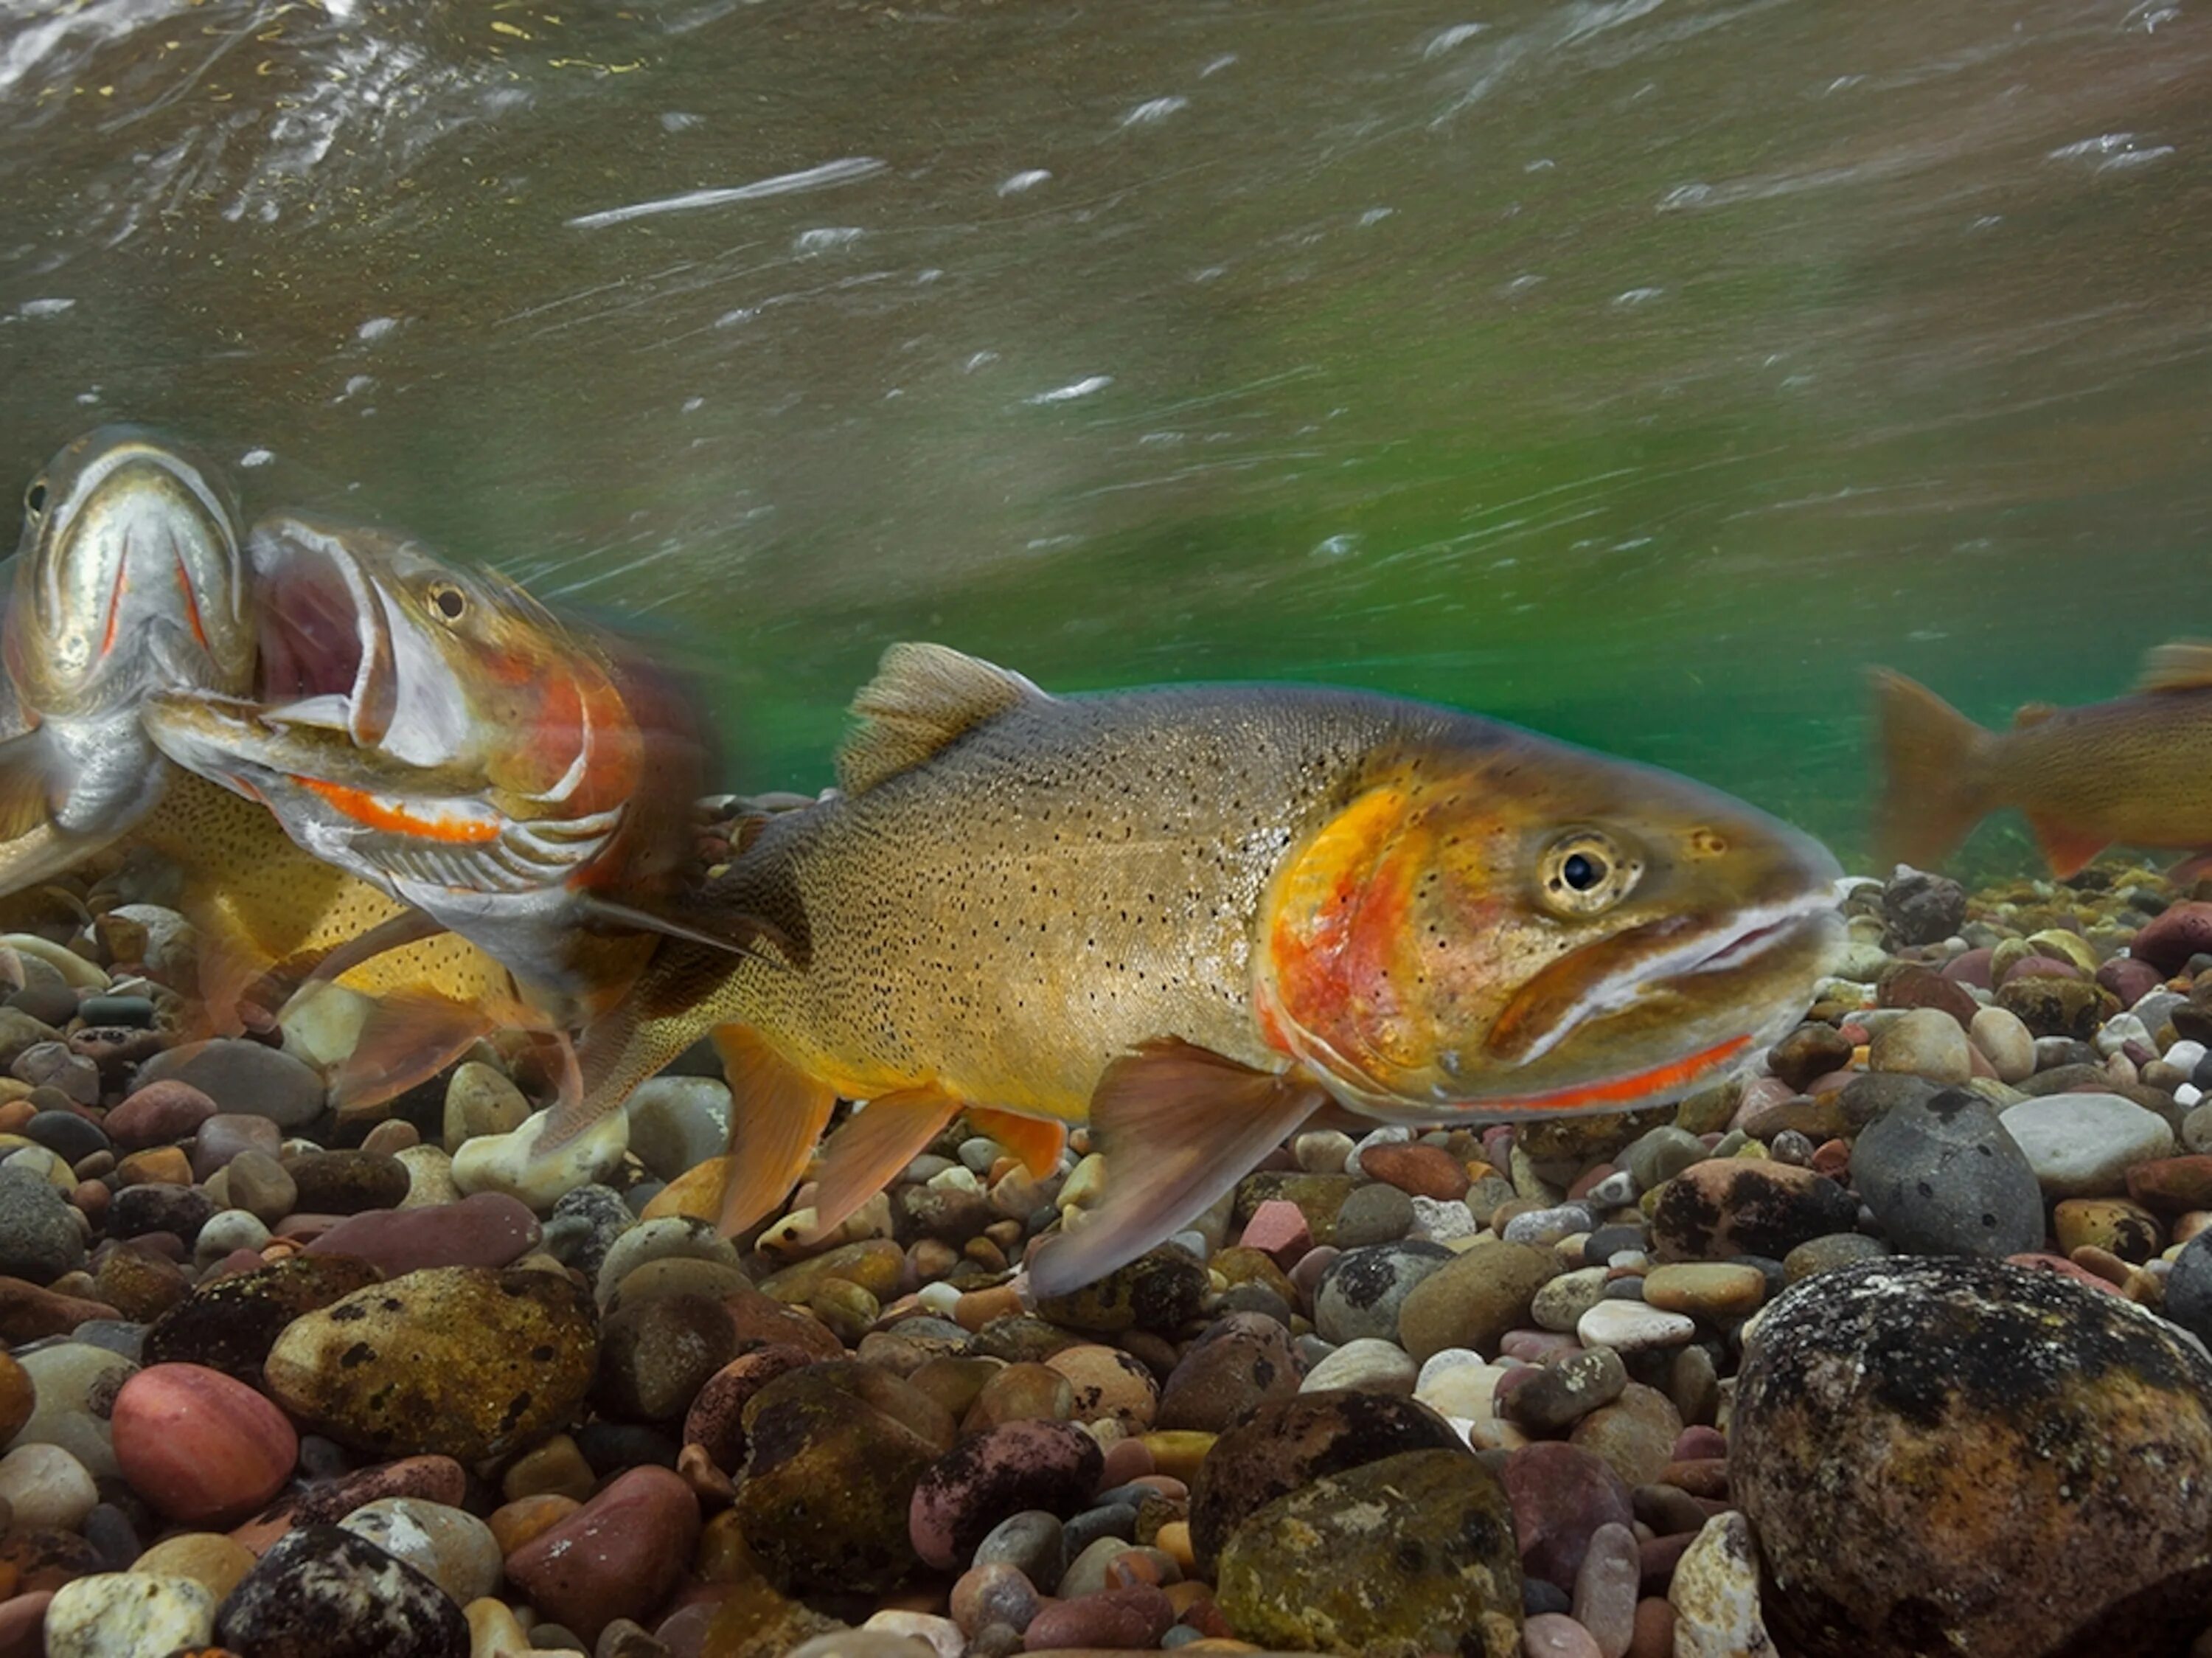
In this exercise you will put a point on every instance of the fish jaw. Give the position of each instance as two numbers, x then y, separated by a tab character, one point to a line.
1412	959
129	578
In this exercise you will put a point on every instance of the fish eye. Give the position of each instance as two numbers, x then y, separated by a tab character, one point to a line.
34	499
1585	873
449	600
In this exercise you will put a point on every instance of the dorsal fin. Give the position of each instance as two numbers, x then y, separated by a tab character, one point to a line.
922	698
2029	714
2184	665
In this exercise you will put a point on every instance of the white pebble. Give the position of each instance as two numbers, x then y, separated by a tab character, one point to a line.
1632	1327
1441	1219
2188	1094
46	1486
2185	1054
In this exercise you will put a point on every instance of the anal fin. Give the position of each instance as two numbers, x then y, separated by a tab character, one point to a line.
1179	1126
2067	850
1037	1141
410	1038
777	1111
864	1156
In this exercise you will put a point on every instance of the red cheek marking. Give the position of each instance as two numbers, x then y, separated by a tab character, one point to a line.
1621	1090
372	813
192	605
114	613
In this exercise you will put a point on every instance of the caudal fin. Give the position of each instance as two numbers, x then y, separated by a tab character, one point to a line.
1935	782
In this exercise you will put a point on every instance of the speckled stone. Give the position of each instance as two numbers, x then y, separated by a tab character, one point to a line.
230	1324
1395	1558
324	1593
459	1361
113	1614
1725	1207
1052	1465
1947	1454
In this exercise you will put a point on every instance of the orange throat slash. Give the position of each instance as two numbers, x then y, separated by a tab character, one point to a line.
380	812
1624	1091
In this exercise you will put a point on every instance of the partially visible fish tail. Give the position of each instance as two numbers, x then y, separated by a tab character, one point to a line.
1936	776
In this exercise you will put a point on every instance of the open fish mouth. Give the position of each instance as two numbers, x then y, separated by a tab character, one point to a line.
326	658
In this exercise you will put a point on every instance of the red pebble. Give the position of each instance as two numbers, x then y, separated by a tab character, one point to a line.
1655	1630
1698	1443
1130	1619
1417	1170
1278	1229
617	1557
1655	1558
203	1448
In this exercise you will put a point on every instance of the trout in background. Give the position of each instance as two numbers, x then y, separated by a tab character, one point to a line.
441	735
1192	917
128	581
2137	771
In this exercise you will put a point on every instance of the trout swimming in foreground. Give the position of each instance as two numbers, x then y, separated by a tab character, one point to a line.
440	734
2133	770
1194	915
128	581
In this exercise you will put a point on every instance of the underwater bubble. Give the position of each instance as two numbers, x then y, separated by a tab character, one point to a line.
828	237
375	328
1068	394
1028	179
1444	39
259	458
1153	109
34	308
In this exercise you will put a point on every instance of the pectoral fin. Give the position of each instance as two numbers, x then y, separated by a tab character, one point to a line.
31	847
1037	1141
2184	665
864	1155
1179	1126
777	1113
2067	850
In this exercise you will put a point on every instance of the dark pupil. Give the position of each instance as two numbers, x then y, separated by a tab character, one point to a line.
449	602
1580	873
34	498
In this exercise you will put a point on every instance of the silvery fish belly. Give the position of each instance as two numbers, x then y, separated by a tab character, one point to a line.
1193	916
129	582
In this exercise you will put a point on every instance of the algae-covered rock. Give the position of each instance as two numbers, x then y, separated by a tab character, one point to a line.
459	1361
1410	1555
1159	1291
1949	1454
230	1325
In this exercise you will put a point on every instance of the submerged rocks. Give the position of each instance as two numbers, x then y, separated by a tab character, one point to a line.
1962	1455
1396	1557
461	1361
322	1592
203	1448
1727	1207
1943	1178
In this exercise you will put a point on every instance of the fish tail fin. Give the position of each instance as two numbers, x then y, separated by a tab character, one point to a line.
1935	772
409	1037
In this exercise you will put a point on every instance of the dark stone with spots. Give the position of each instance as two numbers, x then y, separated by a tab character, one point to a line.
230	1325
1017	1465
1921	908
945	1213
346	1182
1958	1455
182	1210
332	1498
1023	1339
1361	1290
45	1558
459	1361
1814	1049
715	1418
2188	1288
828	1477
584	1226
39	1237
1407	1556
1874	1094
1943	1178
1727	1206
326	1593
1243	1360
1284	1446
1159	1291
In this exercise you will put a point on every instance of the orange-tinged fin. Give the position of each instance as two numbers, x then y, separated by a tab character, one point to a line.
26	786
1179	1126
2184	665
777	1111
409	1037
923	696
2067	850
864	1156
1037	1141
1934	775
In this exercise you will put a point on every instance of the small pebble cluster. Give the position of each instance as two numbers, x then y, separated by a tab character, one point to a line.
277	1383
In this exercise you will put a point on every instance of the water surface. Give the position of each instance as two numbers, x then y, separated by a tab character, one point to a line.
1638	371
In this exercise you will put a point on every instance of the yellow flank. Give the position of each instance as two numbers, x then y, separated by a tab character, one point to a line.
250	889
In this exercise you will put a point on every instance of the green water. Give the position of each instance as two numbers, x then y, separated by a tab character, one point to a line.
1638	371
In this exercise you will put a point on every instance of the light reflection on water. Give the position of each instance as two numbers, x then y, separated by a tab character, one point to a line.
1637	370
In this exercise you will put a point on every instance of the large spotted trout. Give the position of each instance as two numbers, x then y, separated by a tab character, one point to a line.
1194	915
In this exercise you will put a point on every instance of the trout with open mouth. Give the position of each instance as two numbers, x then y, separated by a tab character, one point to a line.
1192	917
128	581
440	734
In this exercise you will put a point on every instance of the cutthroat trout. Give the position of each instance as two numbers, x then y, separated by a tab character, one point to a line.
128	581
1194	916
2132	771
441	735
